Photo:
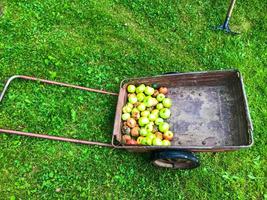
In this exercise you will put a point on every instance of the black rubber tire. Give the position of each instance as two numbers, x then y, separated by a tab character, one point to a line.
170	73
175	159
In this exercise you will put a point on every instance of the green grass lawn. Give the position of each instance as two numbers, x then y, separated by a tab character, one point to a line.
97	44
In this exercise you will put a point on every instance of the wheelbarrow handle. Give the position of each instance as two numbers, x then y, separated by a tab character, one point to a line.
50	137
50	82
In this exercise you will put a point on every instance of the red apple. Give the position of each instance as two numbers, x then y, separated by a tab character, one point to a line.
135	131
136	115
131	122
163	90
168	135
131	142
159	135
125	138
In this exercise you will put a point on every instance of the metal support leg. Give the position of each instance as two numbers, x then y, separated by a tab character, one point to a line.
225	26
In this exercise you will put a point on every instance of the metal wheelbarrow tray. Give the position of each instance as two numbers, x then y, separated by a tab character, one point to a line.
209	111
209	114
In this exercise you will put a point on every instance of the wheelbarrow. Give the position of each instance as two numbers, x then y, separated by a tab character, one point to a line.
209	114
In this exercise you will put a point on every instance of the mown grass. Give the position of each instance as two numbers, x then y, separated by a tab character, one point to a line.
97	44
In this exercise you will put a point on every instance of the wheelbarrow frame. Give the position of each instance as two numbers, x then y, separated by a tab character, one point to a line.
117	125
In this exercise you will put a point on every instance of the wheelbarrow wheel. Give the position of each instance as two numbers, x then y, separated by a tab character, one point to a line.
175	159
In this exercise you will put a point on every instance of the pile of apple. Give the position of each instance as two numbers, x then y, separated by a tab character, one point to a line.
145	115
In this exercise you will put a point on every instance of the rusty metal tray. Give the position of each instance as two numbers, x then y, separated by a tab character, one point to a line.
209	111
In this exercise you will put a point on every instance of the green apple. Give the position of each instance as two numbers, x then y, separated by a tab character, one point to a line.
140	97
160	97
141	88
155	101
152	117
149	127
145	113
167	102
143	141
149	90
166	143
132	98
141	107
165	113
168	135
126	109
131	88
148	101
155	112
163	127
158	121
126	129
129	105
149	141
151	136
135	110
143	132
157	142
139	139
143	121
125	116
160	106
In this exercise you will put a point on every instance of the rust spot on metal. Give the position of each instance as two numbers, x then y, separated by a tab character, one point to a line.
210	141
